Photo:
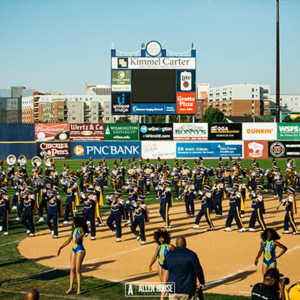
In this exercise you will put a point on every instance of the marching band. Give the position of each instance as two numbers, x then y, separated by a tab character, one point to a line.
36	193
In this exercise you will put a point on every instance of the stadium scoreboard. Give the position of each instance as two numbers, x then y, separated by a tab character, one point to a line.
153	83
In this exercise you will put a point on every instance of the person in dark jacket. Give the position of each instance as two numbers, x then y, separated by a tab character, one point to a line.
183	268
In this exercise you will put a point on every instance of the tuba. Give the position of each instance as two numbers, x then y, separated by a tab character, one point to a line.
36	161
22	160
48	161
11	159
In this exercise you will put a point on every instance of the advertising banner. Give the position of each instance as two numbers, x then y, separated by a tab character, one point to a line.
154	109
186	103
164	150
225	131
156	132
17	132
58	150
190	131
288	131
121	80
186	81
186	63
284	149
121	132
121	103
52	132
109	150
86	132
259	131
209	150
257	149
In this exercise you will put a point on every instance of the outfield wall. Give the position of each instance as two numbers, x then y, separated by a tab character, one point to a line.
167	141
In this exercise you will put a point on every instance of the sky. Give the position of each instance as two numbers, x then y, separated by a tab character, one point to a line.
61	45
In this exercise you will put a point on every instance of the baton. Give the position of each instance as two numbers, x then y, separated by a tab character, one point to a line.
279	205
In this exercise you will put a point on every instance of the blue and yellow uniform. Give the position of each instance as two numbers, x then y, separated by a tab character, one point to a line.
77	247
269	253
161	254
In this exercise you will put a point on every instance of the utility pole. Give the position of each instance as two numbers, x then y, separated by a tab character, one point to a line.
277	65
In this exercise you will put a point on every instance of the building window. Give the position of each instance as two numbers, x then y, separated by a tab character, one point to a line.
252	96
94	106
73	106
60	113
73	118
107	118
60	107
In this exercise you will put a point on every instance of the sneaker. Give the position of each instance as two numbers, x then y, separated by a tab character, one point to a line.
41	219
5	233
227	229
251	230
17	219
211	229
101	224
1	228
196	226
286	232
128	222
138	238
192	215
55	236
242	216
75	210
88	222
93	238
52	232
265	190
86	234
14	208
28	231
118	240
65	222
176	198
115	232
148	193
275	196
143	243
188	215
169	226
294	233
31	234
165	226
242	230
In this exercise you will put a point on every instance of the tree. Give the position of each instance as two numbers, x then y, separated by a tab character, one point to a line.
213	115
287	119
123	120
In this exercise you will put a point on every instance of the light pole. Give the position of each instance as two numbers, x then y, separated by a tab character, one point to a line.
277	65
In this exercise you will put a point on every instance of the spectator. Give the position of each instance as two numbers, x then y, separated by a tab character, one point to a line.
272	288
32	294
183	267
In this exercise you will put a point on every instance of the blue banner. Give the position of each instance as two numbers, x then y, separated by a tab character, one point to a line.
109	150
209	150
153	109
17	149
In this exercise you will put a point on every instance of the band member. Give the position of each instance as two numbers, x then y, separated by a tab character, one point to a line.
99	194
54	207
4	210
132	196
189	195
244	195
117	205
140	217
258	209
218	191
279	185
89	209
291	209
234	200
148	174
18	199
27	218
206	198
198	179
71	190
176	181
165	202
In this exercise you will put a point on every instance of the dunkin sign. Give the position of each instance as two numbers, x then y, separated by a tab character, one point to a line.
259	131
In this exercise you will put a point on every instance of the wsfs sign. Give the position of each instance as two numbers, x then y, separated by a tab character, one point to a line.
109	150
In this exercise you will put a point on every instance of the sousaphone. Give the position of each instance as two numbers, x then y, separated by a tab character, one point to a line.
48	161
11	159
22	160
36	161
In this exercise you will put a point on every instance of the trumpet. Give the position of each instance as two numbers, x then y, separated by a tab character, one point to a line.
36	161
11	159
48	161
22	160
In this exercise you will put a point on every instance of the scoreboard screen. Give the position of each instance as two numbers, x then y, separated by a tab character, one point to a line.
153	86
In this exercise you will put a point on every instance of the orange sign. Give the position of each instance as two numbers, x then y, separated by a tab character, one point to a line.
186	103
257	149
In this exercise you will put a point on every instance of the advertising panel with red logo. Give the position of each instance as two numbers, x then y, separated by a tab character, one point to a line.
186	103
86	132
256	149
57	150
51	132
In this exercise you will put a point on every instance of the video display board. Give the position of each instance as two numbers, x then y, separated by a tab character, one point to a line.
153	83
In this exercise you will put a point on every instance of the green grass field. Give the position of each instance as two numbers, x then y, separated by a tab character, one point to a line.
19	274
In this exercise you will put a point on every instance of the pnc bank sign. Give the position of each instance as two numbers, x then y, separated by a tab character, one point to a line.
109	150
